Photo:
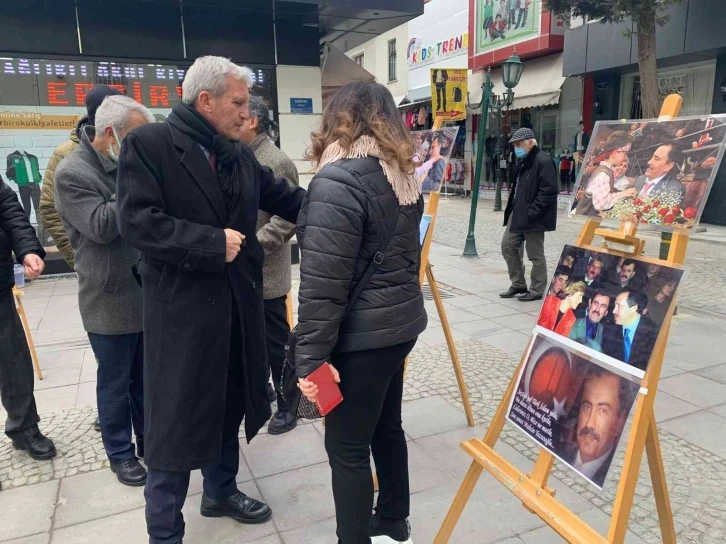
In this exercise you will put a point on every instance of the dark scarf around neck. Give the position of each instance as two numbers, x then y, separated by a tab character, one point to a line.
189	121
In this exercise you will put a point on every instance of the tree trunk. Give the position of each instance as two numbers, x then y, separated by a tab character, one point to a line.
647	64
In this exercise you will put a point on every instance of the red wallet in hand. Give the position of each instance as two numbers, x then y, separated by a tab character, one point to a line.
329	395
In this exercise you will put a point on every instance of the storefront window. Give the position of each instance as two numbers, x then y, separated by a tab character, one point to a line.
694	82
41	101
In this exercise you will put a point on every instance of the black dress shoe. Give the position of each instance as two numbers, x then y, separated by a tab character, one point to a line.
38	446
97	425
239	507
282	422
129	472
271	393
530	297
513	292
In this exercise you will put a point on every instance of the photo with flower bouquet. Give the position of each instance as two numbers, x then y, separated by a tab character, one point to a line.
650	172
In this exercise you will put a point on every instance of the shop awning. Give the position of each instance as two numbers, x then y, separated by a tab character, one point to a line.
398	99
419	94
540	84
338	70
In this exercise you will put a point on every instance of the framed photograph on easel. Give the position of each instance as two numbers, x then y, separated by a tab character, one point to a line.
650	172
432	149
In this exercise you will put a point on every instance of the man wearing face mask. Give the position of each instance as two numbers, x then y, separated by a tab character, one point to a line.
531	211
109	298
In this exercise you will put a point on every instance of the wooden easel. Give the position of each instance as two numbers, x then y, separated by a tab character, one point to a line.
532	488
17	293
427	273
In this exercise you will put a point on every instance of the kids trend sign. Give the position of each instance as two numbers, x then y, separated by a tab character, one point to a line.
418	55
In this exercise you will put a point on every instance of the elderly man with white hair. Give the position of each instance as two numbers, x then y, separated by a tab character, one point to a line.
531	211
189	194
109	298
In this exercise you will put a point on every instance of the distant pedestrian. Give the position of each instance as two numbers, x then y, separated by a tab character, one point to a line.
531	211
260	132
109	298
18	237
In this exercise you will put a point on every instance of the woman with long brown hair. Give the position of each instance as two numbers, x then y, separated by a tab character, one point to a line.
363	206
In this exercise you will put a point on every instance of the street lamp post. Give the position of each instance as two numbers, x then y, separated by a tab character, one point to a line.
511	73
496	106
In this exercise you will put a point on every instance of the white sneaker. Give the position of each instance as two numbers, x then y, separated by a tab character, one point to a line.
390	532
388	540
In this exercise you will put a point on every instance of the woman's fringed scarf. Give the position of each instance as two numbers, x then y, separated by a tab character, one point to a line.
405	186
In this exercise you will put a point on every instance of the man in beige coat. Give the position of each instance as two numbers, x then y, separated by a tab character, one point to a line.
260	132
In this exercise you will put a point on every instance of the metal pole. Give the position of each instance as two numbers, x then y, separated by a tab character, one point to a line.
470	247
498	181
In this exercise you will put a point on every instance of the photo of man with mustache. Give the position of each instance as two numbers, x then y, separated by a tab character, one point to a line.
588	330
603	410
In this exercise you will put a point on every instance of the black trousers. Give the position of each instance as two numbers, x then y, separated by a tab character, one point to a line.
30	193
16	372
277	332
492	165
166	491
441	96
368	420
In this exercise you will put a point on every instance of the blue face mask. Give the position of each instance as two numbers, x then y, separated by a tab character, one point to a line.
520	152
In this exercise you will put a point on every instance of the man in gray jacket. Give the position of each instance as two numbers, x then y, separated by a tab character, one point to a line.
109	298
260	132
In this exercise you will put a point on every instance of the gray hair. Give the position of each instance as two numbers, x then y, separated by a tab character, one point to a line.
259	109
115	112
210	74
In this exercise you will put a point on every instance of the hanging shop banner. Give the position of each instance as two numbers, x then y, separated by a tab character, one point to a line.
432	149
610	308
448	93
656	173
572	407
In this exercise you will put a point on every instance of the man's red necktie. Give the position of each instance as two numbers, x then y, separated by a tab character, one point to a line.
213	161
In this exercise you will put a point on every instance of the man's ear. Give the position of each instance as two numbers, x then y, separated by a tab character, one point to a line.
254	123
205	101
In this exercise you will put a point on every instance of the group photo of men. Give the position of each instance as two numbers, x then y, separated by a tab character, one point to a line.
651	172
573	407
613	306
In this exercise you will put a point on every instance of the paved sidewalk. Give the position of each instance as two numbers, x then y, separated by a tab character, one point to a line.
75	499
702	288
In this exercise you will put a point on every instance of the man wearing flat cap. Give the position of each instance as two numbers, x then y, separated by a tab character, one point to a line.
531	211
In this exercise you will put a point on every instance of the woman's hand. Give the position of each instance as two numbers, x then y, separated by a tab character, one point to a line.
310	390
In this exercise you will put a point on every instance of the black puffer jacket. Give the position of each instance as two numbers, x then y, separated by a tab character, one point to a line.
345	217
16	236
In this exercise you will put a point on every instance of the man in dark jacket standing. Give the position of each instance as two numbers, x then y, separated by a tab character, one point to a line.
188	197
531	211
273	233
16	367
109	298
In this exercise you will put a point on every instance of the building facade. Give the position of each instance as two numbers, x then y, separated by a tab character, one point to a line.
691	54
53	52
544	100
384	57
